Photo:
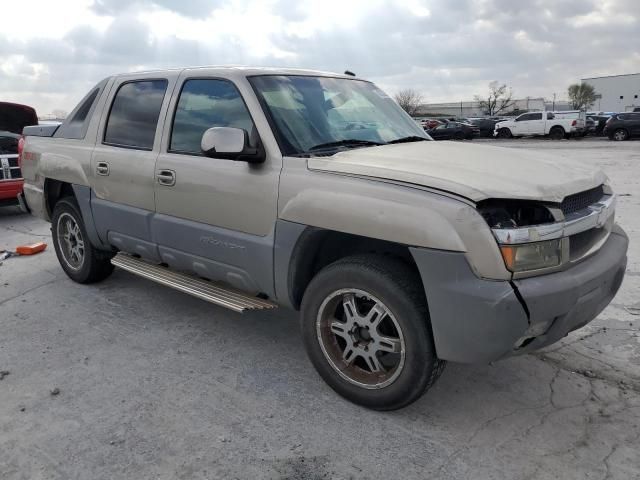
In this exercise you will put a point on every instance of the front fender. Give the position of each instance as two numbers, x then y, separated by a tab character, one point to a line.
391	212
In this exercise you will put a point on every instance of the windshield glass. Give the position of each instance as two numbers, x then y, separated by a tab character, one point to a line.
308	112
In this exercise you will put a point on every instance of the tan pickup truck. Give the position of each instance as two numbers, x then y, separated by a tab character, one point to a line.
253	188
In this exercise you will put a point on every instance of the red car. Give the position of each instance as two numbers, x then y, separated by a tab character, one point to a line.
13	118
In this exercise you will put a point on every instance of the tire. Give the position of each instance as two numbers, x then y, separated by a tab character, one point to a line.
620	135
338	351
557	133
504	133
78	258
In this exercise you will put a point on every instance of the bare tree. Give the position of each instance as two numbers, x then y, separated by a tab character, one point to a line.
499	100
410	100
581	95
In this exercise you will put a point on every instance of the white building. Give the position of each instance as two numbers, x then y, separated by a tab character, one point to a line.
616	93
472	108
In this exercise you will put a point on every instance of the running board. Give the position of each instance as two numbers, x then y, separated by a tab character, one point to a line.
216	293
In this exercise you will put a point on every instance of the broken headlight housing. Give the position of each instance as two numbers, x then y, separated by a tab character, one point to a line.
510	218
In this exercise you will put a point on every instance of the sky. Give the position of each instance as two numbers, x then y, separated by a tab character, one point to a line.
52	53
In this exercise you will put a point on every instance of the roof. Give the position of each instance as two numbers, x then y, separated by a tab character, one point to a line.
245	71
611	76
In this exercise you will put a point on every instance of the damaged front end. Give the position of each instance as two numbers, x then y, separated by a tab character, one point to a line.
537	238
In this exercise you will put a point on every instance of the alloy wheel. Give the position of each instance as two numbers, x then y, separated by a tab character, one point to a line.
70	241
360	338
620	135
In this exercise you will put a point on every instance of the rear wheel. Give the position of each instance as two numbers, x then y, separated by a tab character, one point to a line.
504	133
620	135
366	329
79	259
557	133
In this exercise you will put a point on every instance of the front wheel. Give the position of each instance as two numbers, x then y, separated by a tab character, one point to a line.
366	329
504	133
620	135
79	259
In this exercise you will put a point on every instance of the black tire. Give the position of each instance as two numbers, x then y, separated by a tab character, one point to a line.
620	135
504	133
557	133
400	289
93	265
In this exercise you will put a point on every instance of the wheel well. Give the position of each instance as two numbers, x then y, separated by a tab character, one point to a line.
317	248
55	190
556	127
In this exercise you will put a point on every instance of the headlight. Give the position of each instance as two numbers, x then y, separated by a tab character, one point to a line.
532	256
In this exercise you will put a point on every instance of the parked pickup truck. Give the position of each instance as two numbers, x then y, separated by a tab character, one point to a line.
557	125
253	188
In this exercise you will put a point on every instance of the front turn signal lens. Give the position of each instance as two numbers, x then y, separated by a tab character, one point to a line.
532	256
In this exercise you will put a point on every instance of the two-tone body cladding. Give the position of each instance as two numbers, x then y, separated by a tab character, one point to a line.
252	188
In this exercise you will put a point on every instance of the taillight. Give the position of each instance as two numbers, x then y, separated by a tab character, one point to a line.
574	123
20	148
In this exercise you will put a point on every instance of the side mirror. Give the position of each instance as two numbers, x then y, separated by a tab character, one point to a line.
230	143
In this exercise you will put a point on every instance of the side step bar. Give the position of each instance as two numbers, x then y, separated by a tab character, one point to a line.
219	294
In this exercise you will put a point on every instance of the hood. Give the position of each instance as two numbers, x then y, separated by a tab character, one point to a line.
14	117
476	172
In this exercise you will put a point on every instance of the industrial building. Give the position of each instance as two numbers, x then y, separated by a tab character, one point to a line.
473	109
616	93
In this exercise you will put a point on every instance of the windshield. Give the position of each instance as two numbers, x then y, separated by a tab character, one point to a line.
310	114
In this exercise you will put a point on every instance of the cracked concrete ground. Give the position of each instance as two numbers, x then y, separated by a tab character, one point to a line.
156	384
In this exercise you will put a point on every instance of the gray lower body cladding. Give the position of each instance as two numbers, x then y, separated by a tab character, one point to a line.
476	320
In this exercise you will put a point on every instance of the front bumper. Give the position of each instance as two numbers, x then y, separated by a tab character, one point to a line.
477	321
9	189
561	302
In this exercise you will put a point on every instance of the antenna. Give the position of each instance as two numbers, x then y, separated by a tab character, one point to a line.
350	73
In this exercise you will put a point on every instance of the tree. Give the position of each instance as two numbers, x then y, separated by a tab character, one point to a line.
500	99
581	95
410	100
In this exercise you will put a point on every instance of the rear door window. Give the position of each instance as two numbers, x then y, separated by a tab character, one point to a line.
204	104
133	118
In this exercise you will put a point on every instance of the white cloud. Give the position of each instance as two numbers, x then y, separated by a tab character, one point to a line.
448	50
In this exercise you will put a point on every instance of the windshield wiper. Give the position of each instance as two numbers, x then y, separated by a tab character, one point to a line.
352	142
412	138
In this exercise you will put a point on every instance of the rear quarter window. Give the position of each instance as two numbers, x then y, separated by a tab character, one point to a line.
77	123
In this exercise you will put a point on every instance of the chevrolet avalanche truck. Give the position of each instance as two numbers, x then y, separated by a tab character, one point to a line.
253	188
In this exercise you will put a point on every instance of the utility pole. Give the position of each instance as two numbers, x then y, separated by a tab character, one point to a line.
553	108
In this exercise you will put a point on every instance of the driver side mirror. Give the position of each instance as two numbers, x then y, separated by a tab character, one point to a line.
230	143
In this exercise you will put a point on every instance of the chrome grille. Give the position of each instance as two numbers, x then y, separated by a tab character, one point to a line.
579	201
581	243
10	169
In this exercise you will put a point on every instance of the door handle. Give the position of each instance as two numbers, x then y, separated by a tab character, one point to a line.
166	177
102	168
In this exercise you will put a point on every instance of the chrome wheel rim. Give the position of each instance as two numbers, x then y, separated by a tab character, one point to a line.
360	338
70	241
